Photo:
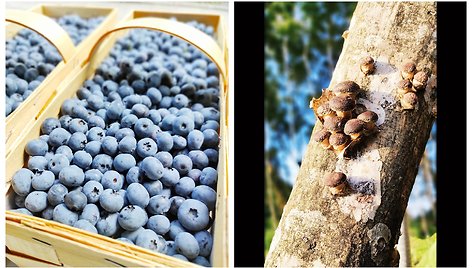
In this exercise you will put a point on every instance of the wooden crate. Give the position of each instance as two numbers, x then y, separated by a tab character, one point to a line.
56	243
29	111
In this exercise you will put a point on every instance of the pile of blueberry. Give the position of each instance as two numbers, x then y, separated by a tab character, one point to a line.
135	155
30	58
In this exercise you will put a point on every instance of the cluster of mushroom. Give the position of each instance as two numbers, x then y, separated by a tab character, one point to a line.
412	82
341	123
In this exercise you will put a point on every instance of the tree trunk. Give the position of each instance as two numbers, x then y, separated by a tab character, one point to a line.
362	229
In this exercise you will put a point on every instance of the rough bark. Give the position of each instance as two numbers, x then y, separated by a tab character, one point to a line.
362	229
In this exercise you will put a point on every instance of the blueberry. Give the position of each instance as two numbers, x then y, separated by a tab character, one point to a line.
112	180
132	218
78	125
110	145
211	138
37	163
165	158
168	121
180	101
212	155
150	240
66	151
154	94
183	125
185	186
56	194
210	113
111	200
93	175
123	162
170	248
85	225
21	182
36	201
96	134
36	147
180	257
175	229
22	211
206	195
43	181
186	244
133	175
137	195
158	204
195	139
129	120
202	261
170	177
115	110
95	102
96	121
127	145
182	163
210	124
65	121
140	110
47	213
92	190
20	201
209	176
164	141
63	215
124	132
108	225
199	159
75	200
151	168
132	235
179	142
160	224
142	127
153	187
82	159
93	148
58	137
102	162
193	215
90	213
71	176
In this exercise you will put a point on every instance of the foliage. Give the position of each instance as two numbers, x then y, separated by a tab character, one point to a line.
423	251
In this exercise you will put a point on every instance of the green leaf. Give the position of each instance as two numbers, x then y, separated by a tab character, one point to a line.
423	251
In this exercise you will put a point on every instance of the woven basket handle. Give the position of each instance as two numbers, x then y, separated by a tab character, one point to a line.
188	33
46	27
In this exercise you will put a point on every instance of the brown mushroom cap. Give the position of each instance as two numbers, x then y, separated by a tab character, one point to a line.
421	77
337	139
334	179
353	126
346	87
409	67
410	98
334	123
342	103
404	84
324	109
368	116
367	60
321	135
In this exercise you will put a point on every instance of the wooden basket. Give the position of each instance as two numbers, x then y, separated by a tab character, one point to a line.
43	242
38	20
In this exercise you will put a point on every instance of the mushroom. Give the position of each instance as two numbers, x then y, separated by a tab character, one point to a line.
322	137
367	65
369	118
324	111
419	80
354	128
408	70
350	88
342	105
339	141
337	182
409	101
404	86
334	124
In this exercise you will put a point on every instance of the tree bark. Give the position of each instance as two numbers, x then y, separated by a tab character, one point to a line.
362	228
